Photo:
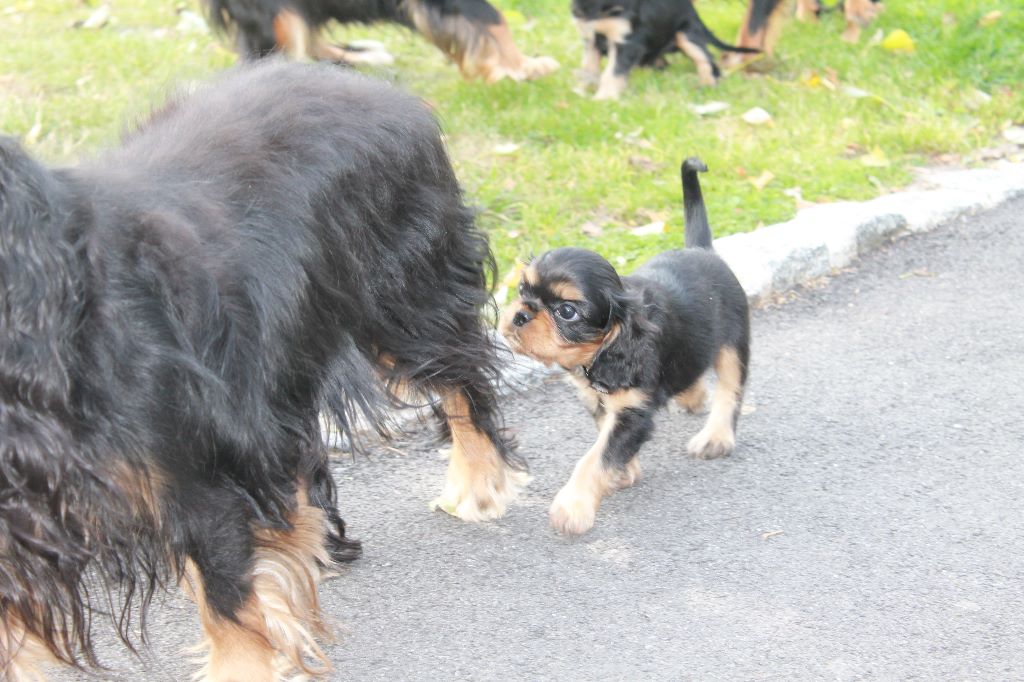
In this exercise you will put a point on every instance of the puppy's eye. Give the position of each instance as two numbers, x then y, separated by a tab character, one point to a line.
567	312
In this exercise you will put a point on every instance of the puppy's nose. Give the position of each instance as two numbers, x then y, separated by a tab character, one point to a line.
521	318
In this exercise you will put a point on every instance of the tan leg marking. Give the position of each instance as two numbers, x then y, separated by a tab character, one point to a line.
277	627
590	69
807	10
717	438
574	507
28	655
292	35
692	399
763	39
705	73
479	485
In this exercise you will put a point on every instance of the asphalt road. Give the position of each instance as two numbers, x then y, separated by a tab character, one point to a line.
870	524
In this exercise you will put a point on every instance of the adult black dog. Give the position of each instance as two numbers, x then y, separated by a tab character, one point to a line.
472	33
635	33
178	313
631	344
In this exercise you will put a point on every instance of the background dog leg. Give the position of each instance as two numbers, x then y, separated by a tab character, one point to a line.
760	29
609	464
590	69
622	58
707	73
292	34
257	601
718	437
477	39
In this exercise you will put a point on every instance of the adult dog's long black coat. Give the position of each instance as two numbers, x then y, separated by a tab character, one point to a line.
177	314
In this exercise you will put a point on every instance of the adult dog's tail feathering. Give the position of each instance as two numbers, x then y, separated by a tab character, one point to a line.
698	231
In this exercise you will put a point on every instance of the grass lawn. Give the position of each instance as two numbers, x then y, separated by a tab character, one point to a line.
548	167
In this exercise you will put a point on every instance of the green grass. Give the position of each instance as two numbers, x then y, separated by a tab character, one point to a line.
69	91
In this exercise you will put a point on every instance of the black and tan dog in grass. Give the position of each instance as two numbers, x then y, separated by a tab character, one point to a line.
631	344
635	33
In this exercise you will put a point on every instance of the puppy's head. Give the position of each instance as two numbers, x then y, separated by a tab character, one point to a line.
573	311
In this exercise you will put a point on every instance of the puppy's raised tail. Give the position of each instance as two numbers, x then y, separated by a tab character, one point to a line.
698	231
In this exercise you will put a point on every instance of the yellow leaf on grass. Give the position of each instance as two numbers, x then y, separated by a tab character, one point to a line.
811	79
876	158
762	180
899	41
514	17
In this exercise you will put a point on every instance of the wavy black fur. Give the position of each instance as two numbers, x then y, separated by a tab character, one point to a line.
180	311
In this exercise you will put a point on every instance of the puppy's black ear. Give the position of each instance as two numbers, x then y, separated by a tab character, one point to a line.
629	358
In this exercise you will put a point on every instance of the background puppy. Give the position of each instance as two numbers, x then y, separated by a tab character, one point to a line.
472	33
639	33
763	22
631	344
175	317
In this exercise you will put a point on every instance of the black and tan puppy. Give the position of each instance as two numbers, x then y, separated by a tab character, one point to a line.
631	344
635	33
472	33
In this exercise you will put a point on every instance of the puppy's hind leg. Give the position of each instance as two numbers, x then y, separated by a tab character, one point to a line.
718	437
692	399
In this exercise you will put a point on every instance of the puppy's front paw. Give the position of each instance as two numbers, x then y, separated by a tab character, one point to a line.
480	496
572	513
711	443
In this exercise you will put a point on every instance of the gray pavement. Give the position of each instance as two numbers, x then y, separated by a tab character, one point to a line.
870	524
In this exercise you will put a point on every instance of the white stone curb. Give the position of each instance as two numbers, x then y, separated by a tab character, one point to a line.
826	237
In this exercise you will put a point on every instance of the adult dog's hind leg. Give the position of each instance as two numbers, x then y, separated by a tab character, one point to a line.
257	595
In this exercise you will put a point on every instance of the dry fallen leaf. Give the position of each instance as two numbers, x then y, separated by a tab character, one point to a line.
919	272
591	229
32	136
876	158
633	138
657	227
1014	134
762	180
644	163
99	18
507	148
709	108
757	116
990	18
771	534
